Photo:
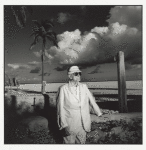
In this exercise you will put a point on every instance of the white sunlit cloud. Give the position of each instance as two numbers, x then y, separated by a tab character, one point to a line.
71	46
100	30
100	44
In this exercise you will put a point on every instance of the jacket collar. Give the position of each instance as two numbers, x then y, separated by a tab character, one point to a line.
70	84
69	87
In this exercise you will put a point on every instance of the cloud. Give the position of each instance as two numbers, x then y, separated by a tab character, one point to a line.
99	45
48	56
100	30
46	74
18	66
83	7
64	17
36	70
96	70
34	63
135	60
128	66
61	68
38	54
128	15
14	66
131	66
83	10
36	79
71	47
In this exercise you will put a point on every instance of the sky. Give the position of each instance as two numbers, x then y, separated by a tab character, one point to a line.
18	40
87	36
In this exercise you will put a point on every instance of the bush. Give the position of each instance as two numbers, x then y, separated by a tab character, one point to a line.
130	133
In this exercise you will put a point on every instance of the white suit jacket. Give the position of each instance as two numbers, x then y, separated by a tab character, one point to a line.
71	110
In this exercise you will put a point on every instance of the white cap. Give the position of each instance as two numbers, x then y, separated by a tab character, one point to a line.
74	69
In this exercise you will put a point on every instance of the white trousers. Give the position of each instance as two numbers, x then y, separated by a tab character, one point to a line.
76	137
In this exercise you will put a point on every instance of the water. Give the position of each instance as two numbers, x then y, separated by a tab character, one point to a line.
95	86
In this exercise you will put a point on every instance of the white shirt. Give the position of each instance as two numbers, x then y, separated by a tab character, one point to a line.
74	89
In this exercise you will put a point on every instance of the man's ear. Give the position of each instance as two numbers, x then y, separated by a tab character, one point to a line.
70	76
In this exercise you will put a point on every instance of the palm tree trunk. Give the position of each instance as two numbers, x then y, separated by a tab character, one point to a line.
43	89
42	72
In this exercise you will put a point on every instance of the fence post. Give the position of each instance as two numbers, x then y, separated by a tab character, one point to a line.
44	87
121	83
14	81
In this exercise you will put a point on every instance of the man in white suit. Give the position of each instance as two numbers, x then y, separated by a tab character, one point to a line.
73	110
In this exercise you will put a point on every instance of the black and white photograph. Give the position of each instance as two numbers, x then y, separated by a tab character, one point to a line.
73	74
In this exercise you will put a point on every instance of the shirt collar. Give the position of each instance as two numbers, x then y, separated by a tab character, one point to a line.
72	85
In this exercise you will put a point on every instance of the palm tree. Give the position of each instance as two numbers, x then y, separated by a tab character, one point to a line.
21	13
43	31
7	80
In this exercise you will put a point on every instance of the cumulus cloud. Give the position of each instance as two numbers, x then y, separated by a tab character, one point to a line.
100	30
94	48
64	17
72	48
100	44
18	66
36	70
128	15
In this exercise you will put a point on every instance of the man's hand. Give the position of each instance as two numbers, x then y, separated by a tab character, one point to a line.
100	115
65	131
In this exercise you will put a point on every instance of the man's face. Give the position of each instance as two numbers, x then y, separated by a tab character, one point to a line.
76	77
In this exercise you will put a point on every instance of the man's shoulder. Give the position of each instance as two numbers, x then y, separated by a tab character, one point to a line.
67	84
63	86
83	84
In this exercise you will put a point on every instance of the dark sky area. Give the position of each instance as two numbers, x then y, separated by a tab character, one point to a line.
88	36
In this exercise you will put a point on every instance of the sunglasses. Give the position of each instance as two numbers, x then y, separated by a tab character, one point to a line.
77	73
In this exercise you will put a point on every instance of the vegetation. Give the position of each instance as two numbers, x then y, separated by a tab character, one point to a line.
21	13
131	134
119	132
42	31
110	132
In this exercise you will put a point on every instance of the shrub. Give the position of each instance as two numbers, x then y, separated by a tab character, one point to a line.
131	132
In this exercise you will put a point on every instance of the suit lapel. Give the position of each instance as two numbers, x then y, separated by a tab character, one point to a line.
73	93
80	92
